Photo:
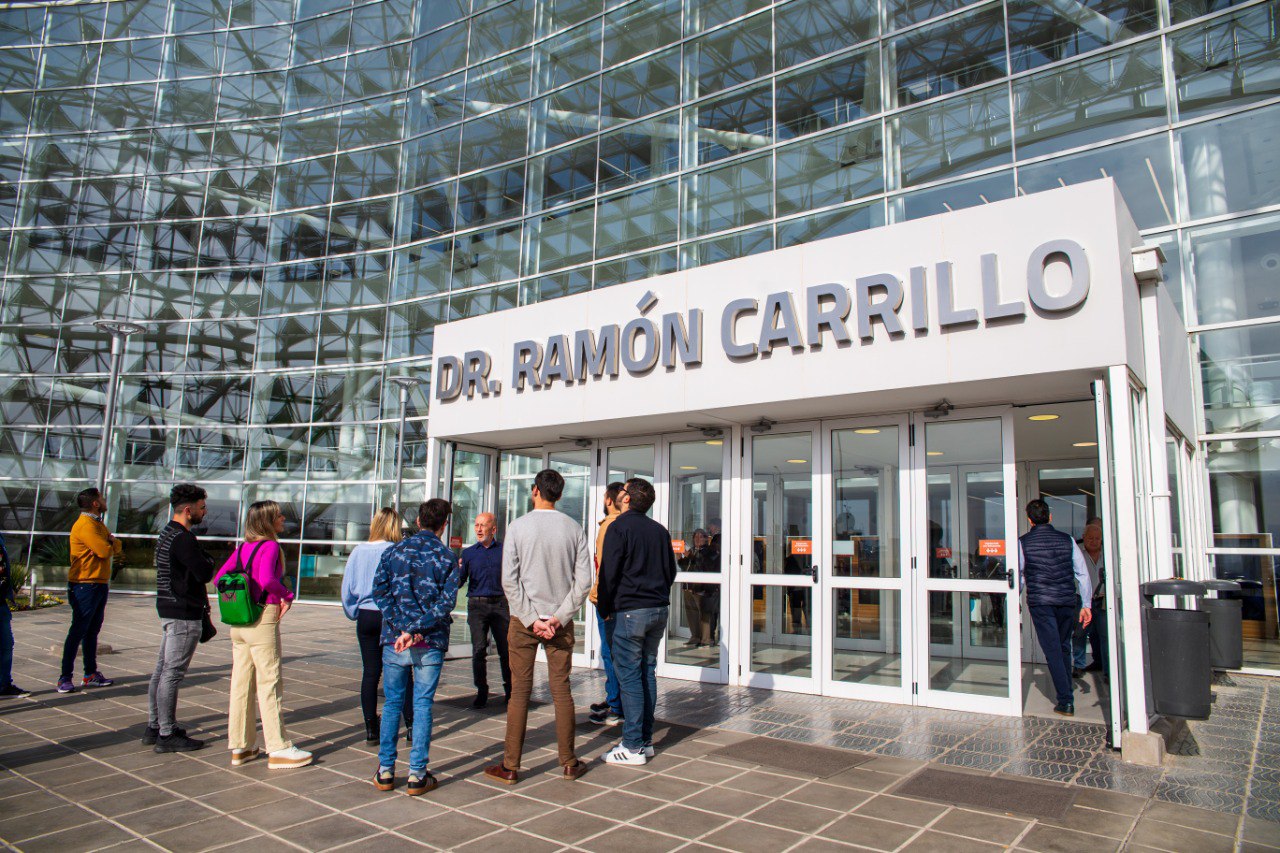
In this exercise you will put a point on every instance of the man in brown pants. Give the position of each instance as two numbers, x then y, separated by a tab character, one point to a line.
546	575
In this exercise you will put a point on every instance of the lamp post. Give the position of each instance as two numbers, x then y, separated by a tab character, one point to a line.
405	384
119	330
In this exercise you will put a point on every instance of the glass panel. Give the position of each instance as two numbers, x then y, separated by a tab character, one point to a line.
833	93
731	124
832	169
957	136
948	57
782	504
575	467
781	630
1172	456
1142	169
696	503
627	462
846	220
1229	164
1071	494
470	484
516	470
1040	32
864	478
1244	492
807	29
966	499
1240	373
731	196
968	651
693	631
1235	271
1231	61
954	196
867	637
1256	574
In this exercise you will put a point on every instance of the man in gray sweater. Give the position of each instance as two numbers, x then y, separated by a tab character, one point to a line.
546	575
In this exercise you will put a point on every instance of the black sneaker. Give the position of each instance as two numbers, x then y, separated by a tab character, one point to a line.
408	734
178	743
1067	709
599	707
13	691
482	699
384	780
416	785
150	736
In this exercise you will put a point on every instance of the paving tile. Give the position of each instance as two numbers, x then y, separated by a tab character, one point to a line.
863	779
1189	816
682	821
768	784
384	842
567	825
938	842
1171	836
1261	832
747	837
631	839
1053	839
726	801
90	836
160	818
980	825
204	835
511	809
448	830
901	809
663	788
246	795
503	839
619	805
829	796
869	832
275	816
794	816
326	832
1093	821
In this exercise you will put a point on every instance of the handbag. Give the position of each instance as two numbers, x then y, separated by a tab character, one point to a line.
207	629
236	605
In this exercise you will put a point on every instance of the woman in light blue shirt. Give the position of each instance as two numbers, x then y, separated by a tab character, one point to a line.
357	603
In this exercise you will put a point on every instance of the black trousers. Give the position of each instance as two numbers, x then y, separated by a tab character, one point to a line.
1054	624
369	634
488	615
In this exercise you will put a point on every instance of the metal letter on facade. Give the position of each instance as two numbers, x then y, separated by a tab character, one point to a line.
594	356
526	360
780	324
1074	255
948	314
637	328
826	309
448	379
992	307
885	309
729	321
681	342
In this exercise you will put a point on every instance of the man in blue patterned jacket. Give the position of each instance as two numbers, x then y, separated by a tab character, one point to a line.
415	587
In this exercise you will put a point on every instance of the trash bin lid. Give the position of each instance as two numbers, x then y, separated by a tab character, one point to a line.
1222	585
1173	586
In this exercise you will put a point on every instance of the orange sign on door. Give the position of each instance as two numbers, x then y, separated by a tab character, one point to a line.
455	541
991	547
801	547
942	553
677	547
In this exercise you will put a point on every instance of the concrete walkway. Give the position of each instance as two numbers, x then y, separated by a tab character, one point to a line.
76	778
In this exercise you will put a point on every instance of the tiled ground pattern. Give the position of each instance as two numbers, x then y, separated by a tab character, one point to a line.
75	777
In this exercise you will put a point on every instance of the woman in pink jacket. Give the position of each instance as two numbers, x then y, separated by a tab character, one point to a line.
255	649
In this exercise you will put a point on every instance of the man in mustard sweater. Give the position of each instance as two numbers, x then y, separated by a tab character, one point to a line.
92	547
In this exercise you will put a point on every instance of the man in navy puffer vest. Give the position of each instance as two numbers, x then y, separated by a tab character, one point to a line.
1056	578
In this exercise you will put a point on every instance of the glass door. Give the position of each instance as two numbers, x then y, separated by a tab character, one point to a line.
620	460
696	643
866	527
472	492
781	601
966	586
575	465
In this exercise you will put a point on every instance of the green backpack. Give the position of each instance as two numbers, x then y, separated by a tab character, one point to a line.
235	602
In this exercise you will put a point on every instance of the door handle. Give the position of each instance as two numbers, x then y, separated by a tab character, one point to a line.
814	573
1009	574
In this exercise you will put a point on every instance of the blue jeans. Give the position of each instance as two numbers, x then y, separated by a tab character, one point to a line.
88	605
1054	624
424	666
6	643
634	640
612	693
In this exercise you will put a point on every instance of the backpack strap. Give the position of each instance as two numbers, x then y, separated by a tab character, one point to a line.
241	566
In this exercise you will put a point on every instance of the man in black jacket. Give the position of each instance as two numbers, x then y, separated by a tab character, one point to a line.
182	570
637	568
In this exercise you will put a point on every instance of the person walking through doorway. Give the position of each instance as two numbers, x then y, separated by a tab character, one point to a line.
546	574
415	587
1095	635
358	604
487	612
92	548
182	571
608	712
1056	578
636	574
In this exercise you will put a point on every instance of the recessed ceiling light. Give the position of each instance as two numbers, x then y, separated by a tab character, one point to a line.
797	461
867	431
688	467
716	442
1085	444
933	453
1044	417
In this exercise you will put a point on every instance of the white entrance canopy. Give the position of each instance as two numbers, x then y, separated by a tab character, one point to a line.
1023	300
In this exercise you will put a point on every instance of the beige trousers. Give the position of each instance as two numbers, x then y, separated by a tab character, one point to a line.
255	671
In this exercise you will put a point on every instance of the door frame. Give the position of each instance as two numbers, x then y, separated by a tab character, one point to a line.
923	585
748	580
829	583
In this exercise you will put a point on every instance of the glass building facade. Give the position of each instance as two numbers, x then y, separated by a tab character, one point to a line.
290	194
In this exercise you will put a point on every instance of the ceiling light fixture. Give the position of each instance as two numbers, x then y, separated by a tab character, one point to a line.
716	442
867	431
1085	444
1044	417
797	461
688	467
933	453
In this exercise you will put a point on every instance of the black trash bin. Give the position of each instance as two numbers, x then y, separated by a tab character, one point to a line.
1178	651
1226	639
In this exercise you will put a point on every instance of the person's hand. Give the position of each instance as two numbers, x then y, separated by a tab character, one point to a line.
1086	616
404	641
417	638
542	629
554	624
284	608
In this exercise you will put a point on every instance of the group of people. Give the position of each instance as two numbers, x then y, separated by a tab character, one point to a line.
400	590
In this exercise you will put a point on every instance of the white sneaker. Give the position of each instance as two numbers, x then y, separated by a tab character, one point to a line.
288	759
240	756
621	755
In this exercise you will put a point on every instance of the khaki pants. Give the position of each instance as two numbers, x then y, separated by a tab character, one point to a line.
522	648
255	670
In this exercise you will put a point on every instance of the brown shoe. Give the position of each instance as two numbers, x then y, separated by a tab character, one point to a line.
501	774
575	770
